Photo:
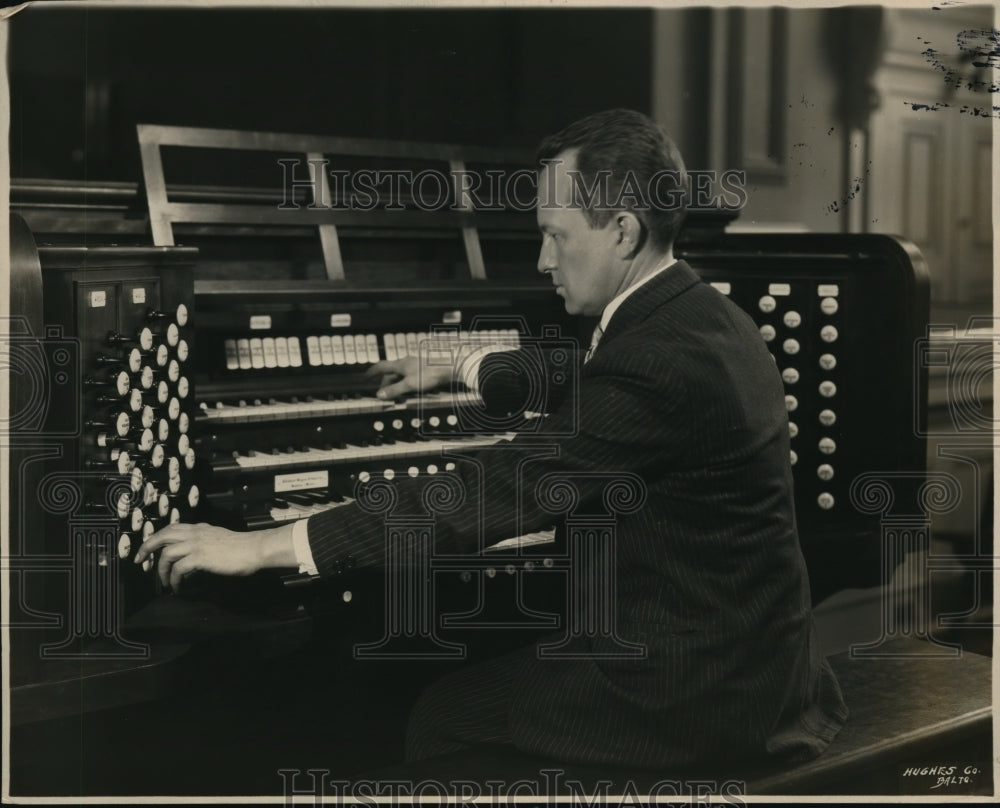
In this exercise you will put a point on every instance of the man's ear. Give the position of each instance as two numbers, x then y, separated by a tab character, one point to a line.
631	234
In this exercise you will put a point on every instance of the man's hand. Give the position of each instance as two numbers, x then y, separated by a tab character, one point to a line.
408	375
189	548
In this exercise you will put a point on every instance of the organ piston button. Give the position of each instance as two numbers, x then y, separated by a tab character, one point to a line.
124	545
397	423
791	403
768	332
146	441
827	445
452	420
767	304
449	466
432	469
792	319
389	474
378	426
827	417
122	424
827	389
415	423
825	501
413	471
364	476
793	429
790	346
122	383
829	305
828	333
825	472
828	361
434	421
790	375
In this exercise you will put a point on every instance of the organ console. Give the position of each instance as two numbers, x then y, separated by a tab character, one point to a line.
223	383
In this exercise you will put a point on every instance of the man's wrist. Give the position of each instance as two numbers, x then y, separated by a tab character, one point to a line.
275	548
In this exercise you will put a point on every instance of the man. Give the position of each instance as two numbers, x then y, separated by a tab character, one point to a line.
678	388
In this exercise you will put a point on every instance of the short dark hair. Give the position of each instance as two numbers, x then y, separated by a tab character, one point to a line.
640	167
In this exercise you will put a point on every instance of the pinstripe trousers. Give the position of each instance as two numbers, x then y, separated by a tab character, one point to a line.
465	708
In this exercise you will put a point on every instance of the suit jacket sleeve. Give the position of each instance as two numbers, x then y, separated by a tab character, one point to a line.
623	414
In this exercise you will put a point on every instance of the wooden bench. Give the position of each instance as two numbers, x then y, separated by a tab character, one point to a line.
907	712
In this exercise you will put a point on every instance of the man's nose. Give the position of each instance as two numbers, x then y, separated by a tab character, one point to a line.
546	257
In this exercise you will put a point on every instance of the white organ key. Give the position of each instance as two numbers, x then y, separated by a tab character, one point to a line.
371	343
232	359
294	352
326	350
256	353
350	354
389	341
312	351
281	352
412	343
243	351
270	353
337	345
401	348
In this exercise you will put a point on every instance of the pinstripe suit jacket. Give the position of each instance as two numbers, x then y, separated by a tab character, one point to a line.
682	392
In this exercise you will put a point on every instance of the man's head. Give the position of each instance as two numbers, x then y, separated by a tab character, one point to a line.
611	198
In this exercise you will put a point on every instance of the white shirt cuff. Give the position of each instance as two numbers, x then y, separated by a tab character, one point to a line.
303	553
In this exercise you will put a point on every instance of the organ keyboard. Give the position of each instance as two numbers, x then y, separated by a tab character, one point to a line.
277	433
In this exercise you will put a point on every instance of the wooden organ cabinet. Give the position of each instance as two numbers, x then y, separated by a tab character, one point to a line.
102	453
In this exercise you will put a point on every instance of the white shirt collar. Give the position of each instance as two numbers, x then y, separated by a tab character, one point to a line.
613	306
